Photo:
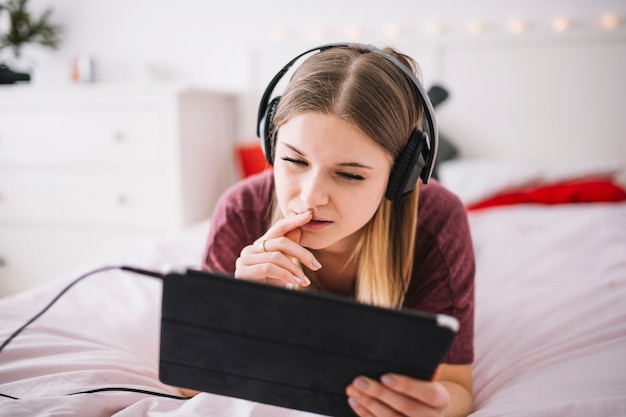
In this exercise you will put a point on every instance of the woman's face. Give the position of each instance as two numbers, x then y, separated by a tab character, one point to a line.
327	165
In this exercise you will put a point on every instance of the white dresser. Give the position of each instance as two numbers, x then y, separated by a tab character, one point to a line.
88	170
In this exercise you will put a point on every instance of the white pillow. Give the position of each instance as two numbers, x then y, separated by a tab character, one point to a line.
474	180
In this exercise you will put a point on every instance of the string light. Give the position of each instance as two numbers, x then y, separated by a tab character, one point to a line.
353	33
475	27
610	21
560	24
316	34
393	31
282	35
434	29
516	26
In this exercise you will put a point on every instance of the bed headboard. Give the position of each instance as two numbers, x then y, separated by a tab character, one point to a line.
548	99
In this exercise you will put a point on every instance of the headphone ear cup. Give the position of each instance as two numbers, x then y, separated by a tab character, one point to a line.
267	132
407	167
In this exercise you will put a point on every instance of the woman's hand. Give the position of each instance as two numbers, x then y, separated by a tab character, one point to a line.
270	258
397	395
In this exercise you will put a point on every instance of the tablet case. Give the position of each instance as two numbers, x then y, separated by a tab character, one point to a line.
294	349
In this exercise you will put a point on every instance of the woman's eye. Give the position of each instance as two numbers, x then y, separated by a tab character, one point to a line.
348	176
341	174
293	161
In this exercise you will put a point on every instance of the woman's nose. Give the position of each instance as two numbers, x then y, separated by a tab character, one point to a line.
314	191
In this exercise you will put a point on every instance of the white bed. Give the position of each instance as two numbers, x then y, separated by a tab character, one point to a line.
550	320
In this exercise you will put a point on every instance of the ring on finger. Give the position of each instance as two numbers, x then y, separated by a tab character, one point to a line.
262	246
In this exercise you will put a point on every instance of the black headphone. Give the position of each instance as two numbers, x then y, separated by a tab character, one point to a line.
415	161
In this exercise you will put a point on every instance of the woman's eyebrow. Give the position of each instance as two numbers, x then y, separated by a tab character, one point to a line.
293	148
354	165
340	164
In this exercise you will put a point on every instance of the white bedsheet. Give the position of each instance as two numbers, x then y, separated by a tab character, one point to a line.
551	311
550	325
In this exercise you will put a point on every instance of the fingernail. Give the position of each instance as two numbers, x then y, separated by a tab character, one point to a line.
388	380
354	403
298	280
360	383
306	213
307	281
316	264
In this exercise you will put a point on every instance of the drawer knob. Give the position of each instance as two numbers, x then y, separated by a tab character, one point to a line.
118	136
3	262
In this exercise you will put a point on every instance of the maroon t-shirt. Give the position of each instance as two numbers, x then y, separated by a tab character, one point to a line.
443	265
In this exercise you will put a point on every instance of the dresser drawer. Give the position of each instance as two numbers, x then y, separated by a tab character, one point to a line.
92	134
96	199
86	169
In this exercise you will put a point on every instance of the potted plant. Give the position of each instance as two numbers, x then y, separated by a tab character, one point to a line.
23	28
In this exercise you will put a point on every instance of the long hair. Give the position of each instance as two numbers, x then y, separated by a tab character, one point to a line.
365	89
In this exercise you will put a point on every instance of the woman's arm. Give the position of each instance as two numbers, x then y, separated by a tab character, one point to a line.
457	379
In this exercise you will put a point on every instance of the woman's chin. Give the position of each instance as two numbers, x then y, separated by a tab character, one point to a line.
312	242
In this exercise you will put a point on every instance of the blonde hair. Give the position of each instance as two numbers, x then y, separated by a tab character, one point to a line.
367	90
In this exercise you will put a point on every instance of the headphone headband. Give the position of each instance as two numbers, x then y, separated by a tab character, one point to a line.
431	139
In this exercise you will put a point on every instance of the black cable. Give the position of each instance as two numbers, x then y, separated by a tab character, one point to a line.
136	390
141	271
54	300
58	296
66	289
76	281
116	389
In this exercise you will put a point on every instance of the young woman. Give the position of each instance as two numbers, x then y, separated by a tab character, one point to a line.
324	218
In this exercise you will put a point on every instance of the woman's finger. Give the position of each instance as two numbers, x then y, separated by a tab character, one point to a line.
270	265
397	395
369	398
271	257
287	224
432	394
270	273
289	248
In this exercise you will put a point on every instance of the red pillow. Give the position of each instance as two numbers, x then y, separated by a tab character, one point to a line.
251	159
583	191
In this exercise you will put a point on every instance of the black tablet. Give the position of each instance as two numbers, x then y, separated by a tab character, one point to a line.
294	349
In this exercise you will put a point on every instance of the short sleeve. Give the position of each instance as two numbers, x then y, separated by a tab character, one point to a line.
240	216
444	267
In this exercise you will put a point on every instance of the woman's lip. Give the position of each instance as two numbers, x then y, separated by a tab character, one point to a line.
318	219
314	219
316	224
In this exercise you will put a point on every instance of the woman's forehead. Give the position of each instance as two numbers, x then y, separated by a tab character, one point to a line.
315	132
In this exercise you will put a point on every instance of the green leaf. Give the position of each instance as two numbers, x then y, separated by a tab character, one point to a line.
25	29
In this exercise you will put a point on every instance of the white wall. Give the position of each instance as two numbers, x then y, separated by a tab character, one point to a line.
549	100
237	45
208	43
